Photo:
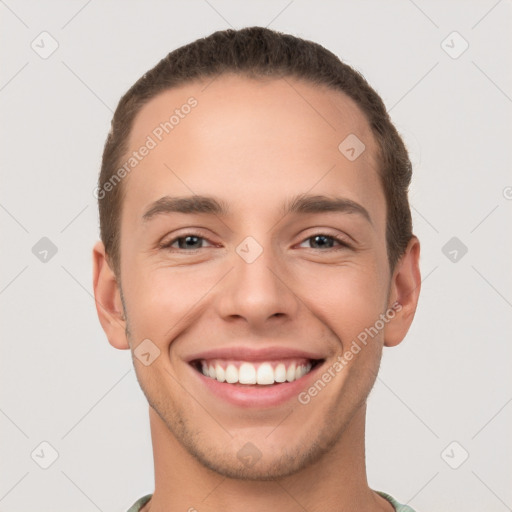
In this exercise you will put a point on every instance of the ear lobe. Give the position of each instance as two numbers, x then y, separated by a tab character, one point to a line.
404	290
108	299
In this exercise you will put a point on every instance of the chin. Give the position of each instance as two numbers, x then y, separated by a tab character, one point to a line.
264	469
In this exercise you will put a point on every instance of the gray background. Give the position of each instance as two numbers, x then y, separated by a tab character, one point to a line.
61	382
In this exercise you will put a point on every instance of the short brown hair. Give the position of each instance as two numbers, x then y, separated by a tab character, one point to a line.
259	52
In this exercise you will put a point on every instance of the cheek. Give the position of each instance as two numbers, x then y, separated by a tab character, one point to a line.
162	298
347	299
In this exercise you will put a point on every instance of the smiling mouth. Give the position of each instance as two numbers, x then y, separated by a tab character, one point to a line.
263	373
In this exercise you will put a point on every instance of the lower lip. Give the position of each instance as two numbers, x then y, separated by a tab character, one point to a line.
243	395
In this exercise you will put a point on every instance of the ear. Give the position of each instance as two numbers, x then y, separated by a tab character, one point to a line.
107	296
404	293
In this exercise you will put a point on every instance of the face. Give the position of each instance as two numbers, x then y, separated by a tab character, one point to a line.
253	250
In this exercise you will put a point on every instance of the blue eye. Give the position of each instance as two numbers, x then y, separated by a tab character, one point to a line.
191	242
326	241
186	242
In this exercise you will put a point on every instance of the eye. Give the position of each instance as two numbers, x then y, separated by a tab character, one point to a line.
190	241
322	241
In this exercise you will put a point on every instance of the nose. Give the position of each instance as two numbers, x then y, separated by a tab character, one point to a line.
259	292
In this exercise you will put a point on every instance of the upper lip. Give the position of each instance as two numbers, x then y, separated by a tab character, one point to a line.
254	354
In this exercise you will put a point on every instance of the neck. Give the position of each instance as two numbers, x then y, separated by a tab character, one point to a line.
336	482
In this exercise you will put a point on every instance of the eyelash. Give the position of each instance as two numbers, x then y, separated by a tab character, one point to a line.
340	239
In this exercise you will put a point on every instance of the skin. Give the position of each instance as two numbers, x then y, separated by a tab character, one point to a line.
255	144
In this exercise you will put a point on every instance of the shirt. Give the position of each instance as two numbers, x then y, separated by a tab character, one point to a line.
398	506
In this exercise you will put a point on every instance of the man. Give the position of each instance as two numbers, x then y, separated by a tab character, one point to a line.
256	256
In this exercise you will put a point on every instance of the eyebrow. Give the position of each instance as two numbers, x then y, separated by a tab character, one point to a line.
302	204
186	204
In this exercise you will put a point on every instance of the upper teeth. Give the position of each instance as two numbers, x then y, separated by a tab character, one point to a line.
248	373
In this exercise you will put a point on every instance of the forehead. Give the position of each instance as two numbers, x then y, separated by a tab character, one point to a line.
246	139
